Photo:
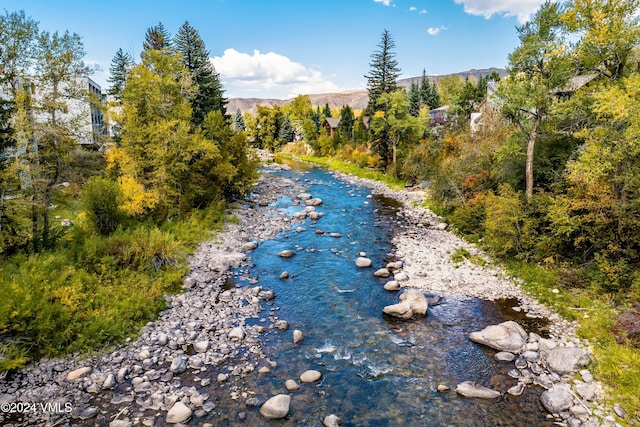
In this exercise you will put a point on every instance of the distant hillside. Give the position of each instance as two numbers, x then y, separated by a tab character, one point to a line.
356	99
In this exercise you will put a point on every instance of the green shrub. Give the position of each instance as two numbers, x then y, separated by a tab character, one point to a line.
101	198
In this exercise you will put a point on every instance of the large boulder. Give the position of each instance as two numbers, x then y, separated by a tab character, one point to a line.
506	336
310	376
412	302
557	399
287	253
276	407
564	360
473	390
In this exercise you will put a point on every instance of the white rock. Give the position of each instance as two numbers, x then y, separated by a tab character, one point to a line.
310	376
363	262
178	413
276	407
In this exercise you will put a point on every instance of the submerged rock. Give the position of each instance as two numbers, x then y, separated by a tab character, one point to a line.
276	407
471	389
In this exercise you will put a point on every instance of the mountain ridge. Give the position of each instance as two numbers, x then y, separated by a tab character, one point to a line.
357	99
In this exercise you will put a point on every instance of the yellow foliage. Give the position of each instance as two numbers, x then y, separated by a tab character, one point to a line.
137	199
379	114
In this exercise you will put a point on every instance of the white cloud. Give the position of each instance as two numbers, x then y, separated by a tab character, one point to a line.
434	31
268	74
384	2
522	9
415	9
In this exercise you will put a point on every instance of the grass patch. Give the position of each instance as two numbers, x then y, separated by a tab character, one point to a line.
351	169
461	254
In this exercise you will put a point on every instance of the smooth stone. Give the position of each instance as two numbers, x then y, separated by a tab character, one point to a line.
222	378
382	272
504	356
201	346
276	407
363	262
178	365
249	246
284	275
392	285
282	325
287	253
517	389
563	360
473	390
401	276
304	196
236	333
506	336
297	336
310	376
120	423
313	202
557	399
332	421
178	413
291	385
443	388
78	373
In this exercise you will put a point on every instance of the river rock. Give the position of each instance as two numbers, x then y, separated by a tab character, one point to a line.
291	385
507	336
236	333
304	196
202	346
297	336
249	246
287	253
109	382
471	389
517	389
283	325
412	302
557	399
363	262
178	413
564	360
284	275
504	356
120	423
178	365
78	373
401	276
332	421
313	202
383	272
392	285
310	376
276	407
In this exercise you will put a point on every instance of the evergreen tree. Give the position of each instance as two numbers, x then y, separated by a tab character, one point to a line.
286	132
429	92
327	111
415	100
157	38
209	95
384	72
238	121
121	64
346	121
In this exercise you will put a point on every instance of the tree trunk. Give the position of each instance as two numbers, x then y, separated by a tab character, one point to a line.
395	170
531	145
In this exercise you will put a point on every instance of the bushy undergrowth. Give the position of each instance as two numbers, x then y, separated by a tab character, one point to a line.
93	290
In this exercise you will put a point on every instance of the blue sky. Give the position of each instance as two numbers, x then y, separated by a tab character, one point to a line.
279	49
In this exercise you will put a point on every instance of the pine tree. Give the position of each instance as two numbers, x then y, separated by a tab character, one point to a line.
286	132
238	121
384	72
346	121
121	64
157	38
327	111
429	92
209	95
415	99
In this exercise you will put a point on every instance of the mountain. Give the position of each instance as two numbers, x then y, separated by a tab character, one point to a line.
356	99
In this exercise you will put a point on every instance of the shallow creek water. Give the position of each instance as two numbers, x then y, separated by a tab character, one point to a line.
377	371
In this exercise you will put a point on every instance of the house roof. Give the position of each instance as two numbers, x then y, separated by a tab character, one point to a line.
333	122
576	83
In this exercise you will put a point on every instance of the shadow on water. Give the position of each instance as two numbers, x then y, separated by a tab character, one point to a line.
377	371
